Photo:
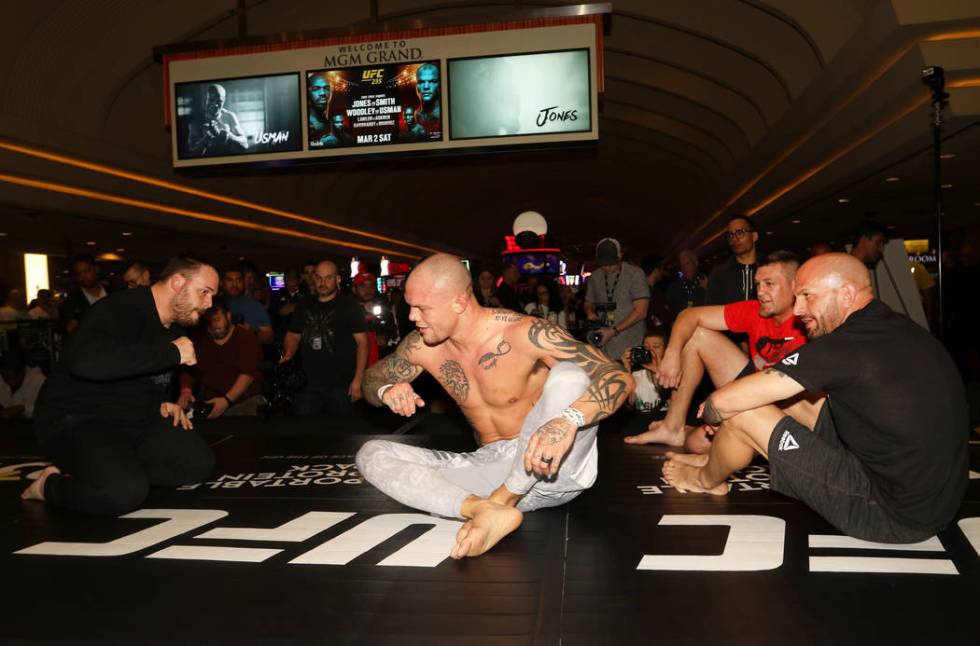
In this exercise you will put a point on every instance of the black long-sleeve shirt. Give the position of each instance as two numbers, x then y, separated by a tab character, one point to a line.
118	365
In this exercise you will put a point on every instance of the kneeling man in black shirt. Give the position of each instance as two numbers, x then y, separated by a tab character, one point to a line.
883	457
103	416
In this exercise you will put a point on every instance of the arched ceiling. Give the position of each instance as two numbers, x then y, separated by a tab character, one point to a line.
710	107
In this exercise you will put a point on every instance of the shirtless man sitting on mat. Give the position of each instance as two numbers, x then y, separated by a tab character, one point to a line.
532	393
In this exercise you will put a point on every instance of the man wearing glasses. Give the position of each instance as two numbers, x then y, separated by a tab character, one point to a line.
734	279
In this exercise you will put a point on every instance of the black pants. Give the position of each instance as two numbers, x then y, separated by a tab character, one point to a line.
108	468
317	399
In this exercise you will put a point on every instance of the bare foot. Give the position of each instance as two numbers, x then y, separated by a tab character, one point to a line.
685	479
659	433
490	523
36	489
690	459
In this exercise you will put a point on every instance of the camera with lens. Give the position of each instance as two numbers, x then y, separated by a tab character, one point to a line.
593	332
201	409
640	356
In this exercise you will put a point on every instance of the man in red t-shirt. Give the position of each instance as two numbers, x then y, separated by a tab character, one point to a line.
227	370
697	344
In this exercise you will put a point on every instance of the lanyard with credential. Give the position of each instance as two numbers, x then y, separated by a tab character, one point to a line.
611	293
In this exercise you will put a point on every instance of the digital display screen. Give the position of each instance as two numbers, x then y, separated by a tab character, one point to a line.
242	116
277	281
536	263
374	105
519	94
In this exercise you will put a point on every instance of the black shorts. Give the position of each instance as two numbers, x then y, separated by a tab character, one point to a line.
814	467
749	369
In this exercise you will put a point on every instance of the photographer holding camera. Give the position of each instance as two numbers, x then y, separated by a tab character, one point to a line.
616	300
642	362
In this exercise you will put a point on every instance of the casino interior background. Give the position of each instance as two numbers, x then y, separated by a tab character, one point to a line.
782	110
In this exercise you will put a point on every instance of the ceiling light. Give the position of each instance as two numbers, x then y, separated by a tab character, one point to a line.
946	186
892	226
91	243
796	221
892	179
842	200
126	233
2	234
769	233
120	250
947	156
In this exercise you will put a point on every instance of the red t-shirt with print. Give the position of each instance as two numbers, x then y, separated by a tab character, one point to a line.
769	342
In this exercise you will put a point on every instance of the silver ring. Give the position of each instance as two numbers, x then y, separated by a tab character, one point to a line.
546	460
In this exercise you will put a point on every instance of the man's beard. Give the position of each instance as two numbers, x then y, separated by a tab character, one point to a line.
184	312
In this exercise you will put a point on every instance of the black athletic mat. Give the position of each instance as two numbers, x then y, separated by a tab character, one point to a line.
286	544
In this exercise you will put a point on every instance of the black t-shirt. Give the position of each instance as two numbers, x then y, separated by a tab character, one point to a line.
328	349
898	405
118	365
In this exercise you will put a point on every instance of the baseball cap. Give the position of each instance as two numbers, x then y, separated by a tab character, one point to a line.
363	277
608	251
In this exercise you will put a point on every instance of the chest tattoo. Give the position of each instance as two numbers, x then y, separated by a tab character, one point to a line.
454	379
489	360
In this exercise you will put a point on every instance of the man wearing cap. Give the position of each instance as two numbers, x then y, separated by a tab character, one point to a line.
620	291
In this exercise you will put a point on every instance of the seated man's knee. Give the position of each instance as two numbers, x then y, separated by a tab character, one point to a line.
122	495
369	454
565	375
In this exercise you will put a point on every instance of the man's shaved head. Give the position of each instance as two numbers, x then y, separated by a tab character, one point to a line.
829	288
834	270
439	292
444	273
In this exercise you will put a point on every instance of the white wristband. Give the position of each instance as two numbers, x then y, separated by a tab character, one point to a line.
382	390
574	416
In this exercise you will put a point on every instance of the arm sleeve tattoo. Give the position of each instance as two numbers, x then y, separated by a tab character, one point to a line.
396	368
610	385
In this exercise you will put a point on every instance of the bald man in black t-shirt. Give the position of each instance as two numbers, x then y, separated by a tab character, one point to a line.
883	457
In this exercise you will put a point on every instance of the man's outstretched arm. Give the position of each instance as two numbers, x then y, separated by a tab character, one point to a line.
397	368
762	388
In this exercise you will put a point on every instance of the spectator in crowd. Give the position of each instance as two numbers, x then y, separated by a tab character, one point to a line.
44	306
647	396
696	345
309	280
617	297
658	312
377	315
569	316
87	290
244	309
734	279
400	311
330	334
507	296
820	248
869	243
136	274
484	290
19	385
227	371
14	306
547	305
284	302
689	288
256	284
